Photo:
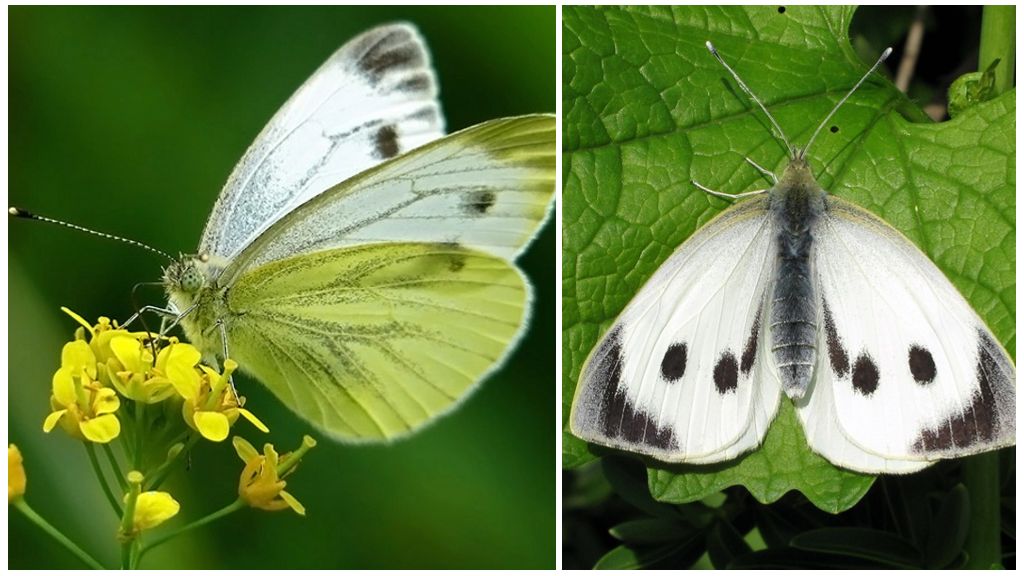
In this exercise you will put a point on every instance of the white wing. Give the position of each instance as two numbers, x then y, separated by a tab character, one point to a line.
375	98
684	373
487	187
912	373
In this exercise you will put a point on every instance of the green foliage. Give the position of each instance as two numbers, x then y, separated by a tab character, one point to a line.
647	109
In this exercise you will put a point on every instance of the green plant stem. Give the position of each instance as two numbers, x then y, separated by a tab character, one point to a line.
90	449
56	534
998	41
160	474
981	476
140	432
981	472
236	505
115	467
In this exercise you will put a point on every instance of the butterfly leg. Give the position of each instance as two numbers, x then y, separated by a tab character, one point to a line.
224	343
726	195
771	175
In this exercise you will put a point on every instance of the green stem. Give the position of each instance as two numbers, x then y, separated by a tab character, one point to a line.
160	474
126	534
236	505
998	41
90	449
56	534
981	476
140	432
115	467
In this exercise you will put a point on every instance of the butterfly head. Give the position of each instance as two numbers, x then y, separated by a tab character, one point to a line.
185	277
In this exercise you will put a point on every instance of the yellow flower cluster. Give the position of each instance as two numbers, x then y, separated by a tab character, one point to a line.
94	375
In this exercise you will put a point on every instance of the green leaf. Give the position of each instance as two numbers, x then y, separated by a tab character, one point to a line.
647	109
651	531
863	543
724	544
680	554
949	529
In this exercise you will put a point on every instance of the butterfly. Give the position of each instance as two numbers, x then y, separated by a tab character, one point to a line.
793	291
359	262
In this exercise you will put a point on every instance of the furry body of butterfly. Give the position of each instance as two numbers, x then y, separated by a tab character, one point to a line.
889	368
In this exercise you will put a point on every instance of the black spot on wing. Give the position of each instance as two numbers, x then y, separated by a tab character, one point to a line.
865	375
478	202
619	418
837	355
750	350
385	142
922	365
726	373
977	423
673	363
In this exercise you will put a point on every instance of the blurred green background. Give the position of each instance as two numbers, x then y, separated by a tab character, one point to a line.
129	121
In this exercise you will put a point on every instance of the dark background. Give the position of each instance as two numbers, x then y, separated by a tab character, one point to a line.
129	121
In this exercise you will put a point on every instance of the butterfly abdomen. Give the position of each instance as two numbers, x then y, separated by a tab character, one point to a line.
793	328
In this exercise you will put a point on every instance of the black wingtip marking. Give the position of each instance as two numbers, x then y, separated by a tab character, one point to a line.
865	375
479	202
619	418
750	350
837	355
392	51
922	365
673	363
977	423
385	142
726	373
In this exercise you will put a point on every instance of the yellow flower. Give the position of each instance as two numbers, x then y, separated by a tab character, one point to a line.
82	405
154	508
261	484
210	406
16	479
138	378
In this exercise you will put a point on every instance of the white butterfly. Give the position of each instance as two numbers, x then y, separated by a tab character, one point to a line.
359	262
800	292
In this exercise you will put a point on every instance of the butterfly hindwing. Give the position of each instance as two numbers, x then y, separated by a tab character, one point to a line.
371	342
373	99
681	375
913	373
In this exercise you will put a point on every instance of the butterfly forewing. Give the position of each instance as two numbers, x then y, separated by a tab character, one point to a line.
681	374
488	187
371	342
915	374
374	99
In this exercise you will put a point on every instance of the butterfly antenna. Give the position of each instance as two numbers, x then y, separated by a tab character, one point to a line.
878	63
19	213
781	135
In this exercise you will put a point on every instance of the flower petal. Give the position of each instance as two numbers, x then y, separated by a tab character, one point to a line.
77	355
293	503
102	429
78	319
254	420
64	387
106	401
247	452
16	479
128	351
51	420
154	508
212	425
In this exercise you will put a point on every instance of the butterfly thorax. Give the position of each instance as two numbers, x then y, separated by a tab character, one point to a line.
796	203
192	288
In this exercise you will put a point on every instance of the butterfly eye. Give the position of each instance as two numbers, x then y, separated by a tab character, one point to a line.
191	280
